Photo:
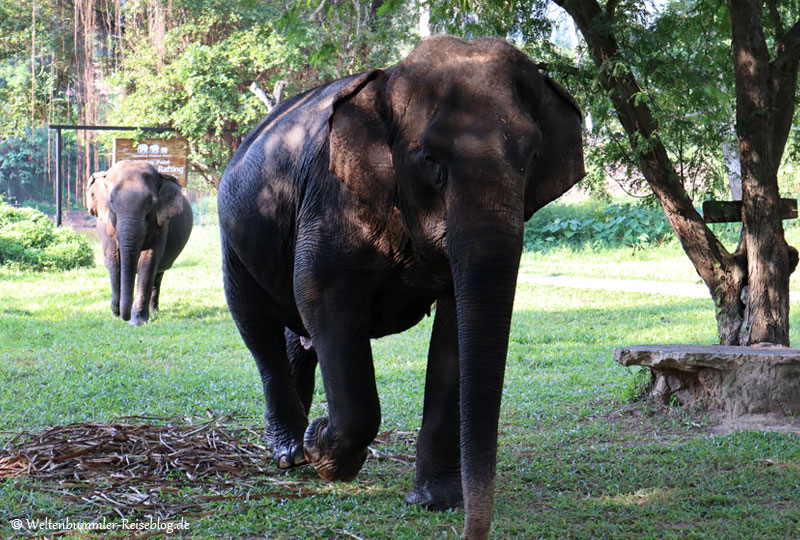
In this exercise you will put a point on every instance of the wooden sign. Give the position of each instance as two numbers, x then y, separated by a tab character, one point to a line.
731	211
168	156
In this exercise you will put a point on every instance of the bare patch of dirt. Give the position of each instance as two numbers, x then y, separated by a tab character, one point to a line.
754	422
653	422
650	416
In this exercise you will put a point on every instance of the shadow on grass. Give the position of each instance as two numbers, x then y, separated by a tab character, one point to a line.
200	314
678	487
16	312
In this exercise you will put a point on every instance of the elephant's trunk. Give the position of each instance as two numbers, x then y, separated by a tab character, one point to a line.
484	243
130	238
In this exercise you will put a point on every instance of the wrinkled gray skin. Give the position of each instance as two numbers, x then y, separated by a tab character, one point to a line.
354	207
144	221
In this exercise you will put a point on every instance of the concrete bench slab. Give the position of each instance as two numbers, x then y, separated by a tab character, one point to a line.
735	381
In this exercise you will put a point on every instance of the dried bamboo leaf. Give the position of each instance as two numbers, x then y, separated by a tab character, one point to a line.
128	467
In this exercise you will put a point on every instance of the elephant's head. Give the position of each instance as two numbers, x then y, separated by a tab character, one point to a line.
469	139
134	202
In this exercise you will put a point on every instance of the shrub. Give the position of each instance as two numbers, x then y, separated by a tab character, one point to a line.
597	224
42	206
33	233
12	252
28	240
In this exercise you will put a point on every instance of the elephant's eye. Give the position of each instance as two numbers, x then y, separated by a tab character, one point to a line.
433	171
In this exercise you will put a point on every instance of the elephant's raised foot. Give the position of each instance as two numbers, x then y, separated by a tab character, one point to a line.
437	496
329	465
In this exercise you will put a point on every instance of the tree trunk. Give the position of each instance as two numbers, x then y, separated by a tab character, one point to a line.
764	110
724	274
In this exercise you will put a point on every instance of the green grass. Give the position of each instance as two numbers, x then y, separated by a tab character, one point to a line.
666	262
661	263
580	456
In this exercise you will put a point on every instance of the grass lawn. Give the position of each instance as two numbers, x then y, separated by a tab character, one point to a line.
580	456
666	262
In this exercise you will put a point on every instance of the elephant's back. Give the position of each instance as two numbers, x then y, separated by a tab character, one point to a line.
278	155
294	131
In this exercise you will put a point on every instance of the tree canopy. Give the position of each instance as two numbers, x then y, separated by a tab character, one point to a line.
187	64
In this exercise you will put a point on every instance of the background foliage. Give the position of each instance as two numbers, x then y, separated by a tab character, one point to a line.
29	241
595	224
187	64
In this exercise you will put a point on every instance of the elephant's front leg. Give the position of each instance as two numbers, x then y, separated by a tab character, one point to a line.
145	280
112	263
337	445
438	478
111	260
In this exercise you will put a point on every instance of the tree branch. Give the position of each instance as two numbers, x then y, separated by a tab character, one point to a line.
776	18
317	14
611	6
260	94
783	85
788	52
270	101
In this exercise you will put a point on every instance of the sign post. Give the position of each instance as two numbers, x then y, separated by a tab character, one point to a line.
168	156
175	167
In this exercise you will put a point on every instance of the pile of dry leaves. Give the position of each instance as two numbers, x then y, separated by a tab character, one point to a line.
157	467
145	465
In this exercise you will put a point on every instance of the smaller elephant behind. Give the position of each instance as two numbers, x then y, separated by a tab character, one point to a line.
144	222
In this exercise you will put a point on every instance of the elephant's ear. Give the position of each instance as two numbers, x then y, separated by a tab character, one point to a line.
170	199
359	148
563	94
97	196
559	163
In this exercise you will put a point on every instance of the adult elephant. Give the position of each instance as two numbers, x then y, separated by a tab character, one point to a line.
353	207
144	221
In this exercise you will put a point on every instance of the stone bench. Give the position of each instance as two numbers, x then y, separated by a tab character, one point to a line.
735	381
